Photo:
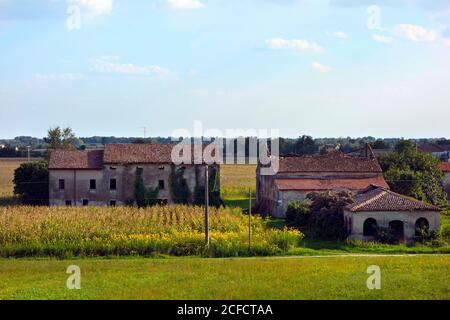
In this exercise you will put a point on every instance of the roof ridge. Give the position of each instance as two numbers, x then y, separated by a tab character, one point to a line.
370	200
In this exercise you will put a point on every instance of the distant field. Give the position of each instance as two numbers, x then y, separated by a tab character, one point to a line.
236	181
343	277
7	167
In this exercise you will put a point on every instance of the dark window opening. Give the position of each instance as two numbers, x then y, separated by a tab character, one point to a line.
370	227
161	168
93	184
113	203
68	203
139	171
113	184
85	202
112	168
397	229
62	184
161	184
422	227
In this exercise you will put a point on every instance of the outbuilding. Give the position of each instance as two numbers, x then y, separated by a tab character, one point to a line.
376	208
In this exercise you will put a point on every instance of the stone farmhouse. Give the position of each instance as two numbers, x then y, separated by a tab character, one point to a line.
439	151
299	175
378	207
107	177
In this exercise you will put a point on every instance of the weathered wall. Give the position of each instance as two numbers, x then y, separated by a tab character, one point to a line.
77	183
383	218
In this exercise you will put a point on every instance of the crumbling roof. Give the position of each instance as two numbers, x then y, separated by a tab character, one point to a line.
445	166
325	184
144	153
381	199
332	162
74	159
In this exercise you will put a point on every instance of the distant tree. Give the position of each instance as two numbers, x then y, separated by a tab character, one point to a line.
31	183
142	141
61	139
414	173
380	144
305	145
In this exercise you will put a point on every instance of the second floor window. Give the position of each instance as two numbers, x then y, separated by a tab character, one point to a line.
161	185
93	184
113	184
62	184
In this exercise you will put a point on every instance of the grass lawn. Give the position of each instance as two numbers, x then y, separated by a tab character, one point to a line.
402	277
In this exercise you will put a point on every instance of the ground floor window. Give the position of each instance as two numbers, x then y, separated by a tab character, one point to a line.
113	203
68	203
85	202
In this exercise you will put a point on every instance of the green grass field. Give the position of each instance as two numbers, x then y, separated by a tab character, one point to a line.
402	277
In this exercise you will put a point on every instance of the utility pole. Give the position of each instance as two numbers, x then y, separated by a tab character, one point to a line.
28	153
250	221
206	205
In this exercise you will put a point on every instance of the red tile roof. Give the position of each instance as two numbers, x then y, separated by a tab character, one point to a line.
83	160
385	200
430	148
324	184
332	162
445	166
141	153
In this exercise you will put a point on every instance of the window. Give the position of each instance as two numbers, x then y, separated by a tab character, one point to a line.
93	184
113	203
68	203
113	184
62	184
85	202
161	185
139	171
112	168
161	168
370	227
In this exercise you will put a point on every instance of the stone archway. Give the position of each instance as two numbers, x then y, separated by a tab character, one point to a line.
370	227
422	226
397	229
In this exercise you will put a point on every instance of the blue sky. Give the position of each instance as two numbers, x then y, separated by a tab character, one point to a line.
318	67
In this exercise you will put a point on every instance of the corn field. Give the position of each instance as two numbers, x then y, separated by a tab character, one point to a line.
172	230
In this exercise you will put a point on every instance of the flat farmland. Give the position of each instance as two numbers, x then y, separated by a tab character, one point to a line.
7	167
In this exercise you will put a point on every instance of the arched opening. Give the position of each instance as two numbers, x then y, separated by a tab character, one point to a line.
397	229
370	227
422	226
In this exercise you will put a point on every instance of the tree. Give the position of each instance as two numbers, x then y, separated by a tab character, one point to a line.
298	214
62	139
380	144
179	187
305	145
414	173
327	214
31	183
214	190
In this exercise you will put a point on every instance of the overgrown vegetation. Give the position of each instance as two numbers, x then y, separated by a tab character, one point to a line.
179	188
414	173
173	230
31	183
144	197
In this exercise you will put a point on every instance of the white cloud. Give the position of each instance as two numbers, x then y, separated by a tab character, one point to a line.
94	7
320	67
109	65
415	33
340	35
381	38
185	4
57	77
295	44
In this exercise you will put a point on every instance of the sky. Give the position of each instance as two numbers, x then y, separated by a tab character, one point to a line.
326	68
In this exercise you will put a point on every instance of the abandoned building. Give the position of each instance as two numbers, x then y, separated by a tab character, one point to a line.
107	177
299	175
377	207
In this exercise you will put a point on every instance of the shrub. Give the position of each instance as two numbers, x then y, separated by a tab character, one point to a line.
298	214
31	183
386	236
